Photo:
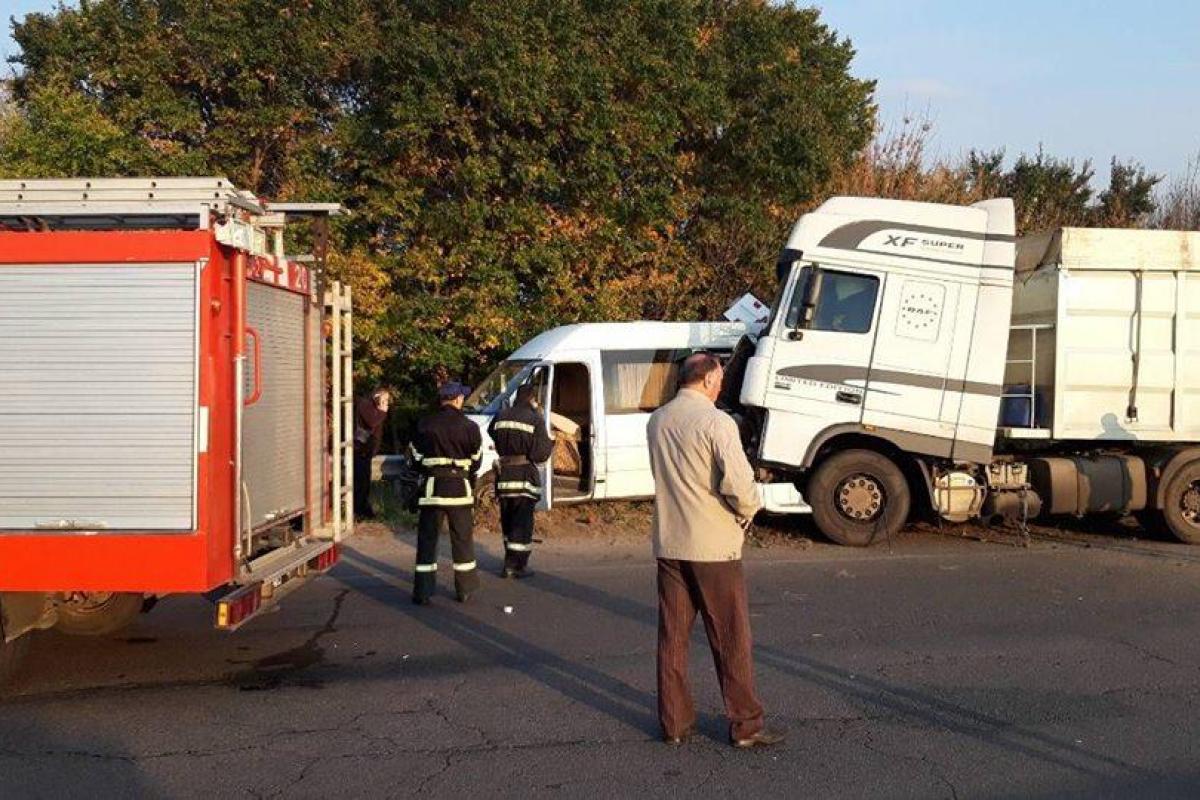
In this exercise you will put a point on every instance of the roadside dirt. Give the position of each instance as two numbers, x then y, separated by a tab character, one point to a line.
626	526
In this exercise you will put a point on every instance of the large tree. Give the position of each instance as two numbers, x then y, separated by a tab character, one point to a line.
524	164
512	164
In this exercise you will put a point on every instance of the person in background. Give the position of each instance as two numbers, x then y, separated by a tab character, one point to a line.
704	498
522	443
369	414
447	451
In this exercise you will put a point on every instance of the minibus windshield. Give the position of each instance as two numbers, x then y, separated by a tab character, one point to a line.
494	388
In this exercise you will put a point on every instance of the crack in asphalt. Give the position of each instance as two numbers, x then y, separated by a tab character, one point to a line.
934	769
1146	652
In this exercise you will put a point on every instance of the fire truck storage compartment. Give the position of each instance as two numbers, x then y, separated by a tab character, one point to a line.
98	397
273	445
1117	314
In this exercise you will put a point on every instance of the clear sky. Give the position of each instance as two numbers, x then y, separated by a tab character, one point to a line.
1087	79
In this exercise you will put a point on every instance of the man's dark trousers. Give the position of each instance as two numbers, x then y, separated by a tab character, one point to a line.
460	520
362	484
717	591
516	520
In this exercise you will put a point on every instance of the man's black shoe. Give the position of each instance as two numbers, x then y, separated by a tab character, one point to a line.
509	573
682	738
764	738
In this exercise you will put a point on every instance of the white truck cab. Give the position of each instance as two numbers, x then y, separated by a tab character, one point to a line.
889	333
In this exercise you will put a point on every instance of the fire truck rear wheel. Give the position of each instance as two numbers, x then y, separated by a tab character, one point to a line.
11	654
858	498
97	613
1181	504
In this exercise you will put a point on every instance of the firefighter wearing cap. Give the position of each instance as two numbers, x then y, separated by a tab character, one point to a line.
447	451
522	443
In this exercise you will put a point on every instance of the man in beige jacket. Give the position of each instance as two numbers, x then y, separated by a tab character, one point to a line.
704	494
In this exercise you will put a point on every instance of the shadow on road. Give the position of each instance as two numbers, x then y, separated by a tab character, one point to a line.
579	682
38	762
872	695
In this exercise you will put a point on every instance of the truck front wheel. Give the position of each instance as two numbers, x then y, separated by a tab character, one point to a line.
97	613
1181	504
858	497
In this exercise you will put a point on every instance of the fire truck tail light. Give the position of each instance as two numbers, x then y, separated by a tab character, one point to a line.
231	613
325	560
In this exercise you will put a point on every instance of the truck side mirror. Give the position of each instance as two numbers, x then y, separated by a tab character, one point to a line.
809	300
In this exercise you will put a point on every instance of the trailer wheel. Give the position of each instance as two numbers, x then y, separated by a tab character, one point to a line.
11	654
858	497
1181	504
97	613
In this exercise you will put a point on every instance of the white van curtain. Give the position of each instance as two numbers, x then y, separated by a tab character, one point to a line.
639	381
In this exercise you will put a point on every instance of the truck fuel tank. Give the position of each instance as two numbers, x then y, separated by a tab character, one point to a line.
1090	484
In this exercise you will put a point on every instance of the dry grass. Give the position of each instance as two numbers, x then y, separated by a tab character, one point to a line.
1179	205
897	166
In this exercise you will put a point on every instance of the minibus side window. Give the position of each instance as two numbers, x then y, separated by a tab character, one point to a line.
639	381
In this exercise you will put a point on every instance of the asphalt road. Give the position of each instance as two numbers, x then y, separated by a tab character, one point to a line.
936	668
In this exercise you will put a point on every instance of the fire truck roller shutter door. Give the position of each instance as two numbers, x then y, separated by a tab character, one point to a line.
98	400
273	427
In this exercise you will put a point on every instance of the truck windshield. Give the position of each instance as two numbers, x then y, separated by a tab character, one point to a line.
491	391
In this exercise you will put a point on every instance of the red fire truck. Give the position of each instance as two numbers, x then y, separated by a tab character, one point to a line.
175	402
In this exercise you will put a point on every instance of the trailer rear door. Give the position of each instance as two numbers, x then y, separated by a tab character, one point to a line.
98	424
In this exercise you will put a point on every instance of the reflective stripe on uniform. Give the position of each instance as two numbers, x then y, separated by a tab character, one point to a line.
439	461
518	486
426	568
518	547
431	500
416	454
465	567
510	425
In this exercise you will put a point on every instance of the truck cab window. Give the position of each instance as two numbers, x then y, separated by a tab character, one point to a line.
845	302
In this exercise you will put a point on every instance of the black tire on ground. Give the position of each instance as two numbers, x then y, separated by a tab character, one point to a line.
858	497
11	654
1181	504
97	613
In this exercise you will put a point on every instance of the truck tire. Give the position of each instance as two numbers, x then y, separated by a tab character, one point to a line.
11	654
858	497
97	613
1181	504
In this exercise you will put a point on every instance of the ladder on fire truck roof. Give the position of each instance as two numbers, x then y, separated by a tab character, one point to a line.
341	343
125	203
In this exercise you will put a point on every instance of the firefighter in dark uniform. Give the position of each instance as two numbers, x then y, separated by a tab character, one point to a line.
446	451
521	443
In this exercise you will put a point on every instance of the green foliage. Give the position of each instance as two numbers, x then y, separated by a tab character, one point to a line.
511	165
1050	192
249	89
527	164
